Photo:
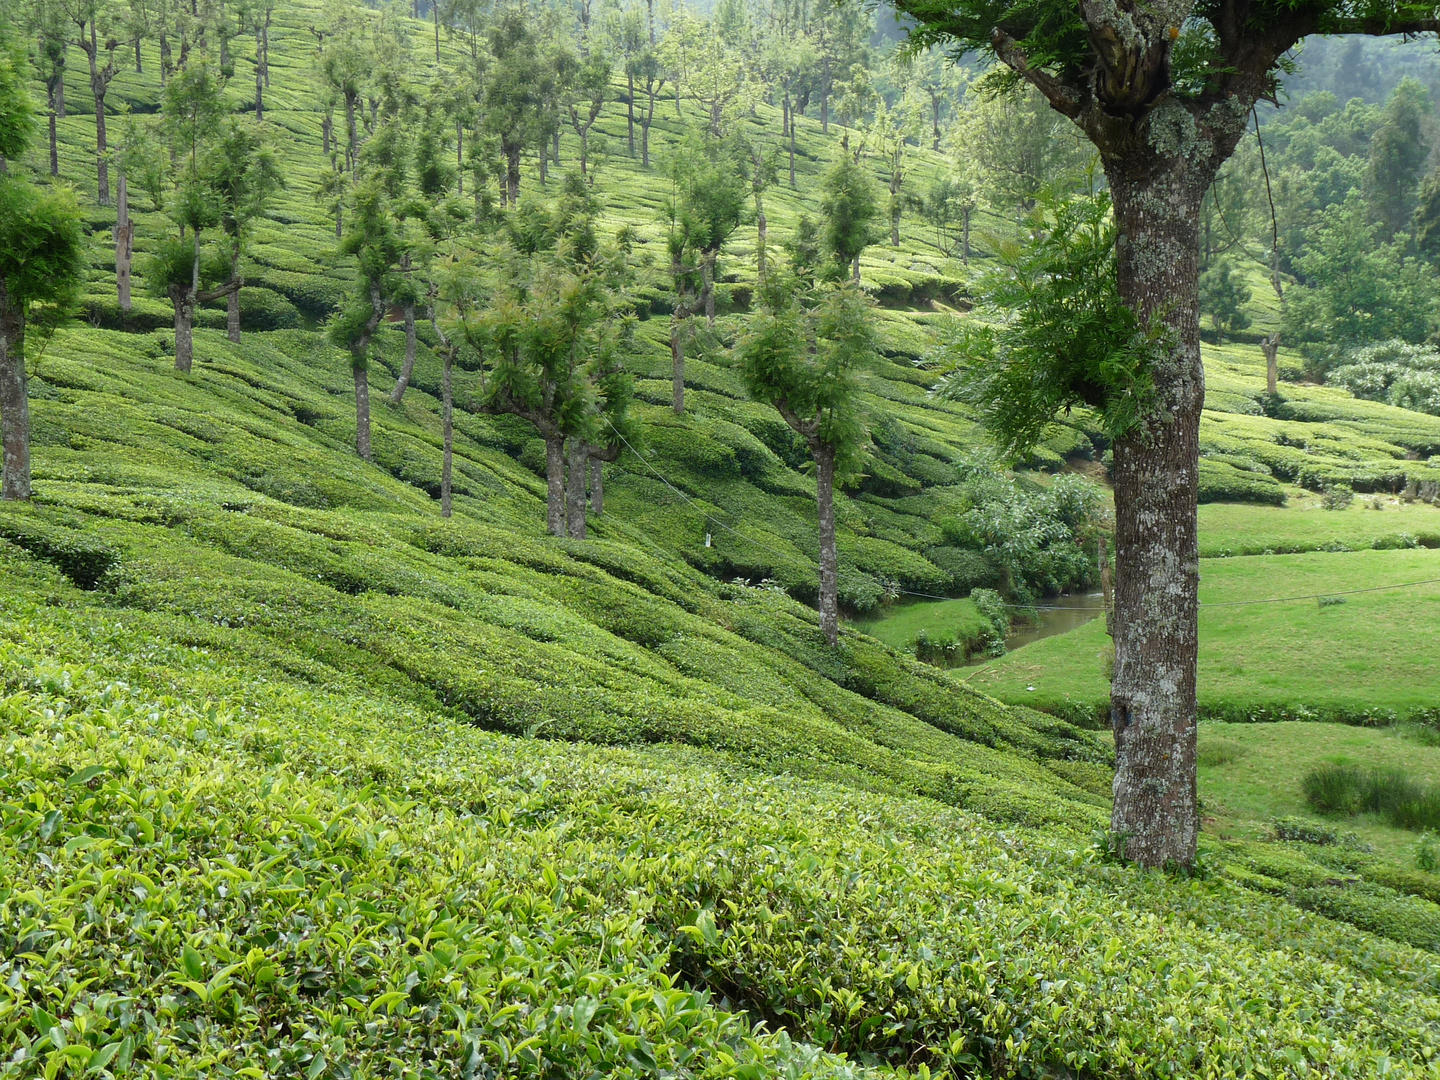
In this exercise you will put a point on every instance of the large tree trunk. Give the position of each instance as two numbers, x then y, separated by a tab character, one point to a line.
124	240
447	432
407	368
575	488
232	316
829	563
555	483
14	399
362	410
597	487
1153	708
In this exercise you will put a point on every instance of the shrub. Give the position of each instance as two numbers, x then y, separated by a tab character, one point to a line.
1221	481
1337	496
1427	853
1218	752
83	559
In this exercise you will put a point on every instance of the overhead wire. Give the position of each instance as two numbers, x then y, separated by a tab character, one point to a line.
1029	607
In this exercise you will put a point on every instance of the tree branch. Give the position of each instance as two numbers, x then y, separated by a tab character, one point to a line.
1061	97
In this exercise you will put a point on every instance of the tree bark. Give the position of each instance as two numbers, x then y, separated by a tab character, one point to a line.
14	400
459	159
232	317
707	287
1153	707
630	111
575	488
183	297
362	410
124	240
1271	347
792	146
829	563
447	432
326	125
350	130
407	368
54	111
555	483
677	356
761	226
597	487
259	74
512	174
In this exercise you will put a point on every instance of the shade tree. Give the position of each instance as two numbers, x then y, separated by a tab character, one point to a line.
42	263
1164	93
802	352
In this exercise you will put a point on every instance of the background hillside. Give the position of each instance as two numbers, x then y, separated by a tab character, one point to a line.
298	777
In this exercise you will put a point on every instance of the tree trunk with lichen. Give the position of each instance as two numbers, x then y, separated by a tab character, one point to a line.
555	483
14	399
578	462
1156	472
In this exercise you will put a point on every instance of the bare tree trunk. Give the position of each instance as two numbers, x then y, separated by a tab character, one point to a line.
124	240
447	432
792	144
829	562
760	229
54	135
707	287
575	489
555	147
14	399
350	131
232	317
102	159
184	300
1153	708
362	410
327	124
259	74
825	96
677	357
139	65
630	111
1271	347
512	175
459	159
855	270
407	368
597	487
555	483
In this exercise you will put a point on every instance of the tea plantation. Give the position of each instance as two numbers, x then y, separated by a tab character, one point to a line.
299	778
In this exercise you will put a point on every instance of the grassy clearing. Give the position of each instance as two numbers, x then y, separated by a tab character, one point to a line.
900	624
1303	525
1253	774
1370	657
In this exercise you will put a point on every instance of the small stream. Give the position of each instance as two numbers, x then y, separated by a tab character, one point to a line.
1058	615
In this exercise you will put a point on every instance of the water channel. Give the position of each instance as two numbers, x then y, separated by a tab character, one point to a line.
1058	614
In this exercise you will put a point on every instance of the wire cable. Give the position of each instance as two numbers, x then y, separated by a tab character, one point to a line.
1026	607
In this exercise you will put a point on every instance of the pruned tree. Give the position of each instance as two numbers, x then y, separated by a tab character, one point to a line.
96	24
802	353
373	238
850	206
518	86
49	27
179	268
585	89
246	175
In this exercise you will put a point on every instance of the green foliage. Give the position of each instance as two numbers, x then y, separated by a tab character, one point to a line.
1223	296
851	215
1056	334
1396	372
17	110
1398	153
1427	853
42	247
1348	790
1357	289
1222	481
802	354
1338	496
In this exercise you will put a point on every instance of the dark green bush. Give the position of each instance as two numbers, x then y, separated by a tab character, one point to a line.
83	559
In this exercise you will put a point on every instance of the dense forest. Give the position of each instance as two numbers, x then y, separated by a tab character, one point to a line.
501	501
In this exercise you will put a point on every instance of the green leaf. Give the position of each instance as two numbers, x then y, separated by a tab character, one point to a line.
85	775
193	964
316	1067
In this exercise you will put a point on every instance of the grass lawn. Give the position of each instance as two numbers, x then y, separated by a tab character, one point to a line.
1372	655
900	625
1250	774
1304	525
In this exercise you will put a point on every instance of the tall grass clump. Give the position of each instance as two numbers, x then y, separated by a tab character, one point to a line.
1346	790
